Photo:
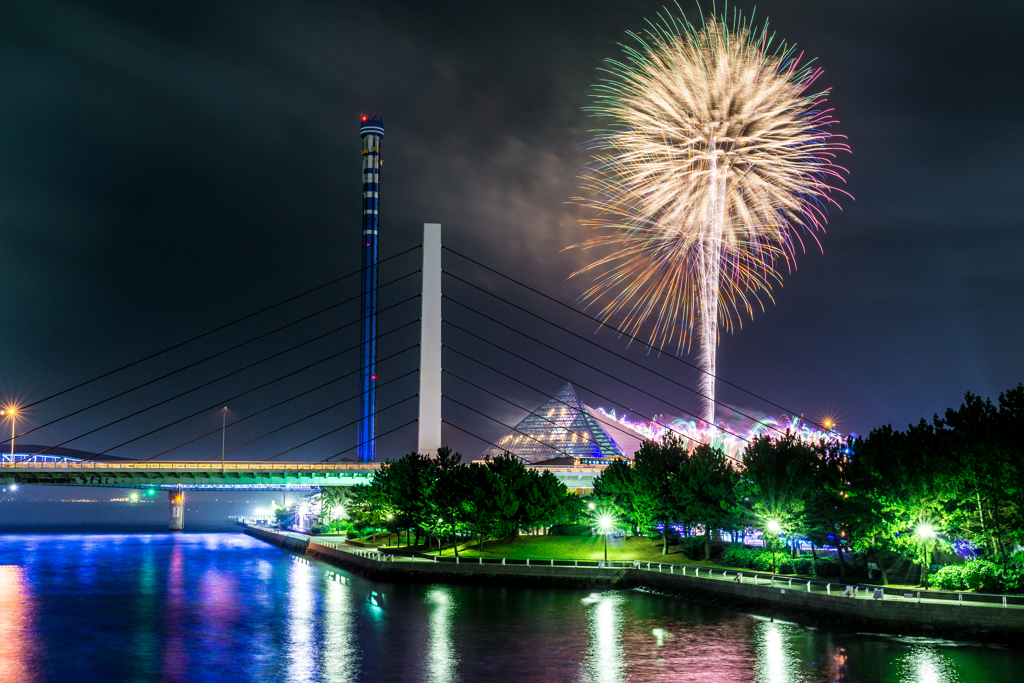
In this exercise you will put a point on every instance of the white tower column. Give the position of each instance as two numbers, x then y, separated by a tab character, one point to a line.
430	342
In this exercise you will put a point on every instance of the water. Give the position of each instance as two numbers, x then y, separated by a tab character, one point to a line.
226	607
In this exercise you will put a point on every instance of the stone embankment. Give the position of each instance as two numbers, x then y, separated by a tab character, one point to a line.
955	615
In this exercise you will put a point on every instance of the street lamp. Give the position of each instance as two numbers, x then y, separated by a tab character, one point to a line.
591	506
605	523
11	412
926	535
775	529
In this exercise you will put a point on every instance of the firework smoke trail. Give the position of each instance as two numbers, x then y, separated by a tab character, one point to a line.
717	159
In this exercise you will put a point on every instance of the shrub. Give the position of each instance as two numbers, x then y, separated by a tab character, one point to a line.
828	566
693	547
975	575
737	555
802	565
570	530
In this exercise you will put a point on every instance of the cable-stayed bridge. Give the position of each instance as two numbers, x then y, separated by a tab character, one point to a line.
265	409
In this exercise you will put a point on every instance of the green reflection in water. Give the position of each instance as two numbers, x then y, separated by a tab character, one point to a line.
442	659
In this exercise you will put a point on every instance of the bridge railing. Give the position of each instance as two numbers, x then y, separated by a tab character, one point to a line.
776	581
229	466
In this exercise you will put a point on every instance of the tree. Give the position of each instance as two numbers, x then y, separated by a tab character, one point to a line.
706	491
775	482
485	498
449	515
655	469
985	444
615	489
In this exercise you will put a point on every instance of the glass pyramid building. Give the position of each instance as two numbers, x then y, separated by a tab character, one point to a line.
561	428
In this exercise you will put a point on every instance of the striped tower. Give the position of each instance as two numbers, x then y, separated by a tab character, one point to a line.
372	132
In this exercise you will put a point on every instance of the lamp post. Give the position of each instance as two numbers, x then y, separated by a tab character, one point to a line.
223	430
926	536
604	525
774	528
12	412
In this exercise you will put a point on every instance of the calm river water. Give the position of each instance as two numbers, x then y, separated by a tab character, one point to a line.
226	607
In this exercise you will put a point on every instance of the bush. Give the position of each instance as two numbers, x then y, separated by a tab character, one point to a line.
737	555
693	547
570	530
828	566
975	575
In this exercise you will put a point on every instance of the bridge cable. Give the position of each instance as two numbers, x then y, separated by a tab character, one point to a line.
214	381
378	436
216	329
306	417
596	369
607	350
263	410
219	353
533	438
338	429
605	422
628	335
529	412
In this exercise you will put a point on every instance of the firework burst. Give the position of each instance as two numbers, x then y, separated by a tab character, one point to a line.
717	163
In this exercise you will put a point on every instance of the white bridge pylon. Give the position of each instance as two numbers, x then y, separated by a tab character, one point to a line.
430	343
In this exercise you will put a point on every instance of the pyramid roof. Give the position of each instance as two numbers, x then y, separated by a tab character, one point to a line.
561	427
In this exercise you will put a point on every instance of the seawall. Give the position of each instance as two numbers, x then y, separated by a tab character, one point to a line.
892	614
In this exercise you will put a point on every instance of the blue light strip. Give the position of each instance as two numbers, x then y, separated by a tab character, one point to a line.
372	132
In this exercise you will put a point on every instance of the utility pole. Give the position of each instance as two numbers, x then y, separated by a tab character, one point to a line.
223	430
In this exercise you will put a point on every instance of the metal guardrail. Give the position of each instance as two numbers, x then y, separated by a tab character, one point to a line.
775	581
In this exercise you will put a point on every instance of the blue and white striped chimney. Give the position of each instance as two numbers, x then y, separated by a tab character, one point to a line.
372	132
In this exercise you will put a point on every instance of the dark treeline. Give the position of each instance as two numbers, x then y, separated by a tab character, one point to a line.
890	499
437	498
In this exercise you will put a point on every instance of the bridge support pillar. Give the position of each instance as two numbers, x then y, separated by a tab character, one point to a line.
177	522
430	343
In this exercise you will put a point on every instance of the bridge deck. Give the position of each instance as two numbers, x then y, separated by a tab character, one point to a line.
229	475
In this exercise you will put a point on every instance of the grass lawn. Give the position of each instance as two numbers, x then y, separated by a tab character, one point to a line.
576	548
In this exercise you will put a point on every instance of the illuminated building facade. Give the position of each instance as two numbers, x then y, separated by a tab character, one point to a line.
564	427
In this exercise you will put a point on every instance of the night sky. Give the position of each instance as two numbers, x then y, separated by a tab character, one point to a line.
166	168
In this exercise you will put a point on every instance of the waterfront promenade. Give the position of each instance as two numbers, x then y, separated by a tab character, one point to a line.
896	610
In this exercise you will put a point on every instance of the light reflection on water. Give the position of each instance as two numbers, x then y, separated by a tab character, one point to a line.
606	663
17	647
442	662
225	607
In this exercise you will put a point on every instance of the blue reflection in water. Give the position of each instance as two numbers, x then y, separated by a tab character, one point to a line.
226	607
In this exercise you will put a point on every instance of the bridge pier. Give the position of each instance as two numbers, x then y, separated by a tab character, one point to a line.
177	522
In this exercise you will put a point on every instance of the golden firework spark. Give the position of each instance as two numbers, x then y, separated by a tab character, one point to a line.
718	159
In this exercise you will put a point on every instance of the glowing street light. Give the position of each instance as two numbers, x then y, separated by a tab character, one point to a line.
925	531
11	412
591	506
926	536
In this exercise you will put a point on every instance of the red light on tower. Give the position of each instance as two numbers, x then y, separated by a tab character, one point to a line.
364	118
